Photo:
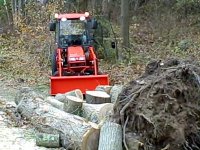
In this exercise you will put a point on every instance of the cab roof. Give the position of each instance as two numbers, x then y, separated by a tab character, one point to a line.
72	16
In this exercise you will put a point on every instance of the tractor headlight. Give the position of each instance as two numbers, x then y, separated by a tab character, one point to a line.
63	19
87	14
82	18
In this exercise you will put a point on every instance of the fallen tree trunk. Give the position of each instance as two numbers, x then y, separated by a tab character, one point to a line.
97	97
97	112
25	92
48	140
74	131
73	105
110	137
55	103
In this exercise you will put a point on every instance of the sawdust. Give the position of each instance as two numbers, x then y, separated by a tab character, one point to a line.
161	109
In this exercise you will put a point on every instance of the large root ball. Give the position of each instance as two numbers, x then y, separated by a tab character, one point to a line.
161	109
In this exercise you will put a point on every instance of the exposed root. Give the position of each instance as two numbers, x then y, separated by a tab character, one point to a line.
162	106
124	130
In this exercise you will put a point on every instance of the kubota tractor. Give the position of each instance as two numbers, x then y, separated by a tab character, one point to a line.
74	62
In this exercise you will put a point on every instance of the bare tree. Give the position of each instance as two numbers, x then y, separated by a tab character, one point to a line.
124	24
106	8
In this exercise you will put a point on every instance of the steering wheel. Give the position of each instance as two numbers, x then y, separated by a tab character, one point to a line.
64	40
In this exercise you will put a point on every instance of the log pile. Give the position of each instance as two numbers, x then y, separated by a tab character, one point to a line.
70	121
160	110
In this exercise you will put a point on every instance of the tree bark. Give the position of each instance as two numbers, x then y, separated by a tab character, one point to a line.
26	92
97	112
115	91
73	105
110	137
106	8
104	88
97	97
60	97
124	24
54	102
48	140
75	133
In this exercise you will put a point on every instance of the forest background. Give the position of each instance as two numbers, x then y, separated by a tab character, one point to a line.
142	29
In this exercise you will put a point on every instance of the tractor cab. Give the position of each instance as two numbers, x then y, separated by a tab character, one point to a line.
73	29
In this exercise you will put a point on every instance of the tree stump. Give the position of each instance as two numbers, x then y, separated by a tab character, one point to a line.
110	137
97	97
74	131
105	88
97	112
54	102
114	92
48	140
73	105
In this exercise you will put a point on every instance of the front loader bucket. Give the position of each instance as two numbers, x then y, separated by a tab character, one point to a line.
65	84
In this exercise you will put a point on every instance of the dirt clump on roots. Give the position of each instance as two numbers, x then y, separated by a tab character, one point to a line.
161	109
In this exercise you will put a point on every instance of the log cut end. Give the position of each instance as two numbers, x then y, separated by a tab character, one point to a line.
76	93
91	138
97	97
106	110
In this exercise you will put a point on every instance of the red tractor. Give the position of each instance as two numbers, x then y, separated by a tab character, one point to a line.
74	62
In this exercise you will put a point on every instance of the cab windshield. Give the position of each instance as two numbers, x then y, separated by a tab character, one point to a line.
72	27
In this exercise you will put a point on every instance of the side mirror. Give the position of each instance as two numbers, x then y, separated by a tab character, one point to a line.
113	45
52	26
94	24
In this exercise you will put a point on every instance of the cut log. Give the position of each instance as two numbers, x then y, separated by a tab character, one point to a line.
97	112
76	93
54	102
47	140
114	92
60	97
105	88
73	105
74	131
110	137
97	97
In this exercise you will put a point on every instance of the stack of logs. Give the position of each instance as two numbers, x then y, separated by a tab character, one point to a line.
71	121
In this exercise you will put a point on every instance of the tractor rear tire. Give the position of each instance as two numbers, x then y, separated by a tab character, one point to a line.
54	64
